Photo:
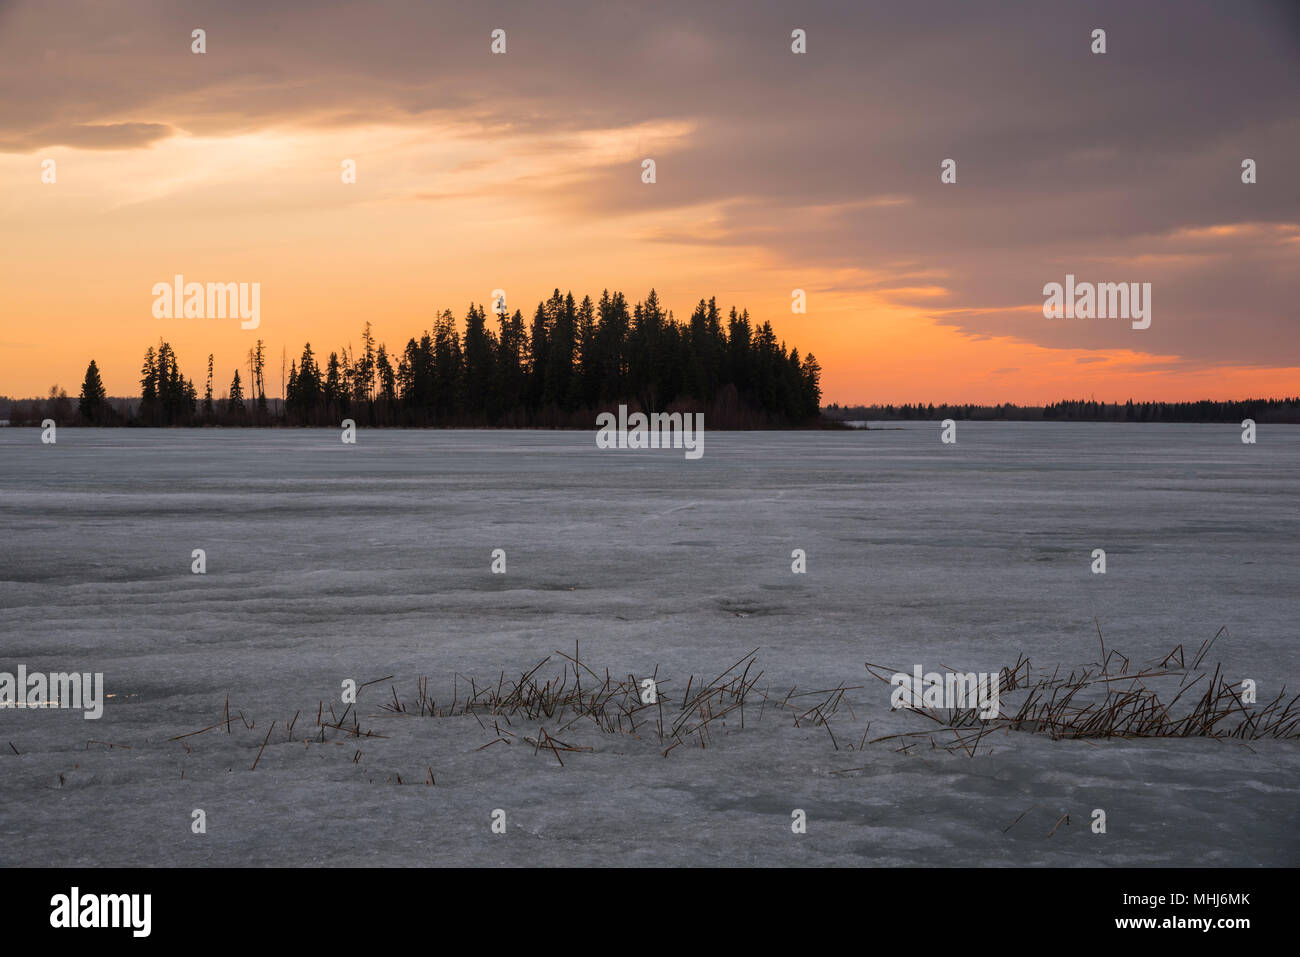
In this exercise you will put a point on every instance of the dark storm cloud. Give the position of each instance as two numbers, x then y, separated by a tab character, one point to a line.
1067	161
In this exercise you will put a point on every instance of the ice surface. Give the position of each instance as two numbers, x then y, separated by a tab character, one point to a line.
327	561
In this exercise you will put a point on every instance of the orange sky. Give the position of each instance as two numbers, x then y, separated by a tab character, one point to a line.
914	293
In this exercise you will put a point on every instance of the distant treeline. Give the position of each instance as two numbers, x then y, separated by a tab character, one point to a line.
572	361
1083	410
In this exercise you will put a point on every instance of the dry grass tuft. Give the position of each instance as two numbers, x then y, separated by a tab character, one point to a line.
1115	700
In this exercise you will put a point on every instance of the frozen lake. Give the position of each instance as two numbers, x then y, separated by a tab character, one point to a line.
327	561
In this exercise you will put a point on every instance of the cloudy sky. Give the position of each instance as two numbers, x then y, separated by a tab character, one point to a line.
775	171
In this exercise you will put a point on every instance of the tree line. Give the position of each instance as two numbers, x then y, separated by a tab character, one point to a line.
1285	410
571	361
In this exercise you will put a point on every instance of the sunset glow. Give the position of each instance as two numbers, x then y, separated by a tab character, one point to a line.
523	173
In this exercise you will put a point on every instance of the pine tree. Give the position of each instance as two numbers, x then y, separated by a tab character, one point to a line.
560	322
333	390
92	406
612	345
235	403
149	387
208	411
387	383
259	381
367	365
309	387
538	346
511	372
479	356
446	366
584	387
810	375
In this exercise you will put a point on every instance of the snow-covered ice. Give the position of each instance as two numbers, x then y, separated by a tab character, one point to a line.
327	561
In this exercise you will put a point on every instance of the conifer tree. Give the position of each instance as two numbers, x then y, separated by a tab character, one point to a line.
208	410
235	402
92	404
